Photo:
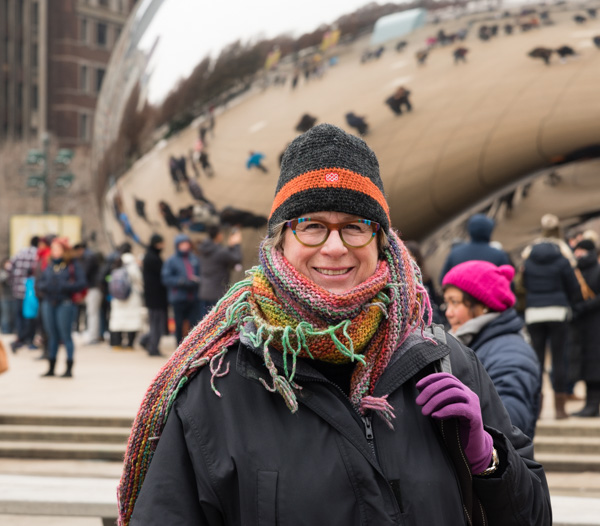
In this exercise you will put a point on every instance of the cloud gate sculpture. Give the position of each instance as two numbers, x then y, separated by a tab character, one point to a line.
240	78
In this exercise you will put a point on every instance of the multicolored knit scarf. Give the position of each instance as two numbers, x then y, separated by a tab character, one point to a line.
280	310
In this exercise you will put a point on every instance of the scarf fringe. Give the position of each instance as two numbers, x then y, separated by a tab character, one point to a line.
403	302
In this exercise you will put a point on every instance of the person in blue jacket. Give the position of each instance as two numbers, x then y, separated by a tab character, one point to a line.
479	308
181	275
480	228
62	278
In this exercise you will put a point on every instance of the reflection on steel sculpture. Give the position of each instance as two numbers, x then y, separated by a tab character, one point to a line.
240	81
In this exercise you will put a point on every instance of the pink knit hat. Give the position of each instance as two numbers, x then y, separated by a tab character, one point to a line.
484	281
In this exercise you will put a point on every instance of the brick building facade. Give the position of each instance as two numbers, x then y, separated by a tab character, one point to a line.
53	56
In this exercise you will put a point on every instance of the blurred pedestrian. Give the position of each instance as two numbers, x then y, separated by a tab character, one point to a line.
174	172
596	41
181	275
479	307
399	99
92	265
155	295
62	278
542	53
480	228
255	161
551	288
586	322
358	123
168	215
6	299
21	266
216	263
460	55
126	309
565	51
421	56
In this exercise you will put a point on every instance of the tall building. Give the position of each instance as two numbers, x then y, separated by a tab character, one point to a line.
53	56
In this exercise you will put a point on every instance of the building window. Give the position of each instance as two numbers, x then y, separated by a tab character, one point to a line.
20	52
84	82
34	55
20	95
84	126
117	32
83	28
103	3
35	15
35	97
101	31
99	78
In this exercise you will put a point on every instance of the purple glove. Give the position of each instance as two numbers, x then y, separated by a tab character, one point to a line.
445	396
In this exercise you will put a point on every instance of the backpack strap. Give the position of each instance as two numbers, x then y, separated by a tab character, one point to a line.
449	431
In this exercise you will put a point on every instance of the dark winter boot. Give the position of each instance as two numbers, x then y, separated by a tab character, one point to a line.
592	402
559	406
52	364
69	372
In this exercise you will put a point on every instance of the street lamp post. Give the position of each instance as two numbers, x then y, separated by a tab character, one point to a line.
41	180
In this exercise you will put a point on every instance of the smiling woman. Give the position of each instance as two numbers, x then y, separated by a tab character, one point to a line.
317	403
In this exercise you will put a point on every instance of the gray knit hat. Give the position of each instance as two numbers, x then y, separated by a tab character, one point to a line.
327	169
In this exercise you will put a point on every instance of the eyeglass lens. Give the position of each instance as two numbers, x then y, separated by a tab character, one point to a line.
355	234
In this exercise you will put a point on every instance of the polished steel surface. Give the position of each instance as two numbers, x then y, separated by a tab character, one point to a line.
476	127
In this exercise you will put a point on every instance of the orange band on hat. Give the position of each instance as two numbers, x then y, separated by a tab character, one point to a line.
330	178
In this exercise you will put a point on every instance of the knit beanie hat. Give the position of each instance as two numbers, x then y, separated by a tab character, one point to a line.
484	281
327	169
586	244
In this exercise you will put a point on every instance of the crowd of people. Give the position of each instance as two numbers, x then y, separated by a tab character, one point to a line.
50	289
549	298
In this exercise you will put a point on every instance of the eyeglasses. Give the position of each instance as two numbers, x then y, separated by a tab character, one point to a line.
450	303
357	233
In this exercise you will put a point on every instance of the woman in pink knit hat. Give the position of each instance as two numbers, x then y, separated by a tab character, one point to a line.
479	307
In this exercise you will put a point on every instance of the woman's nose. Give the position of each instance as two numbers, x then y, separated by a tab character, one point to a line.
334	245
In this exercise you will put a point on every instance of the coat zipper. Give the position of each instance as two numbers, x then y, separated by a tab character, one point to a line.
367	421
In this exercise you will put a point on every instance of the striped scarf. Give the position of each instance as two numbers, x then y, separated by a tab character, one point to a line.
280	310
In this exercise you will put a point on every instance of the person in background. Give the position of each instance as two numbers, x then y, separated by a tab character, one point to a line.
255	161
21	265
479	307
480	228
586	320
6	299
92	265
155	295
62	278
551	288
216	262
181	275
127	313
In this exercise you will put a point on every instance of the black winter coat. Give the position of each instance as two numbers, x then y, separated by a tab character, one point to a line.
245	459
513	367
216	263
155	293
586	333
549	278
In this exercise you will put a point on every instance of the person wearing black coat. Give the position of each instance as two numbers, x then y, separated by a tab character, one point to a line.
586	322
313	393
480	228
551	288
479	306
155	295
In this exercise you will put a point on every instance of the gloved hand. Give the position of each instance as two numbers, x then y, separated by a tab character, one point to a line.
444	396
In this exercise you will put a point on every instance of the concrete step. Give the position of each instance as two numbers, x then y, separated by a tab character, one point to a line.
64	420
571	427
585	445
30	433
565	462
71	451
